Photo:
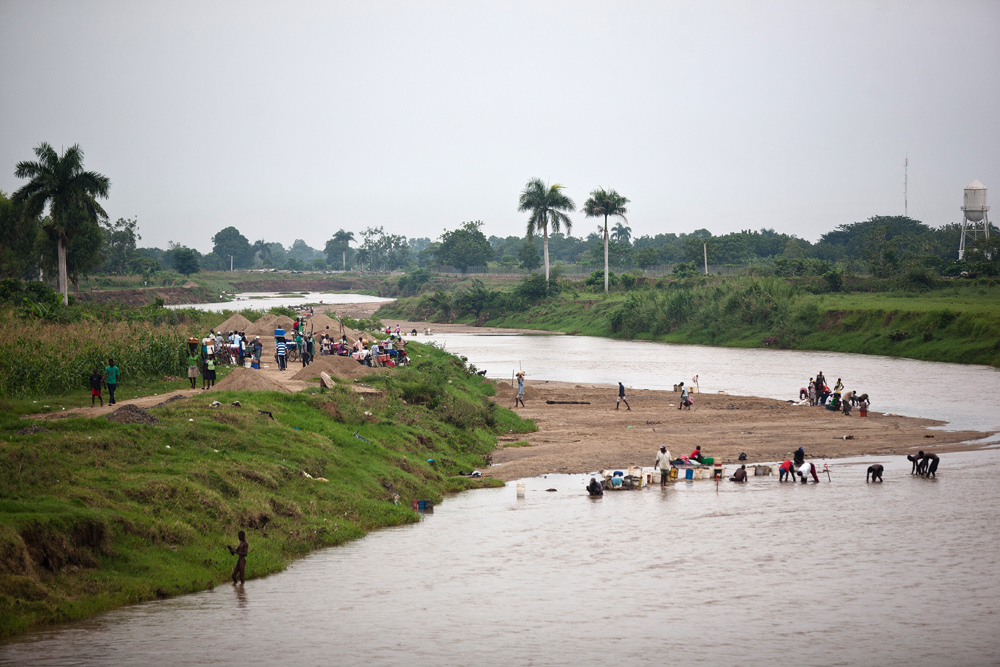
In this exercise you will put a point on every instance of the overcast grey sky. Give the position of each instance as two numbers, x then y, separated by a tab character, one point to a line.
293	119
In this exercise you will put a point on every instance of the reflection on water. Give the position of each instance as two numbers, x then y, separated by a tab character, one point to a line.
266	300
839	573
965	396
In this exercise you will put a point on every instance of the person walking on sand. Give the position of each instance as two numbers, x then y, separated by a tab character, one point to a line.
95	386
621	398
241	562
520	389
280	352
663	463
111	374
684	397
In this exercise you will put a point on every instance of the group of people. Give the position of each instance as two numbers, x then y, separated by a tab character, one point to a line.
798	465
818	392
109	379
925	465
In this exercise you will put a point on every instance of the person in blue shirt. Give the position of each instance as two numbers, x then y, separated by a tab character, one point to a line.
621	398
111	374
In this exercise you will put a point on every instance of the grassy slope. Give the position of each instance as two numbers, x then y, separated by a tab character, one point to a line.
95	514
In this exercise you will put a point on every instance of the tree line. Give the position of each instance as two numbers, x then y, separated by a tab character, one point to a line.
75	239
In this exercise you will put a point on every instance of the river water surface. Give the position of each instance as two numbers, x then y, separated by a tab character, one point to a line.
836	573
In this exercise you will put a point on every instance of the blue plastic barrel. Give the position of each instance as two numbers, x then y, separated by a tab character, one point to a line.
689	473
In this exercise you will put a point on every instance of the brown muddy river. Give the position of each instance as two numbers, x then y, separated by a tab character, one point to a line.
836	573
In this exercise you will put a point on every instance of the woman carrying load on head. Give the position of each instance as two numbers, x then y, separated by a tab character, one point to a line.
520	389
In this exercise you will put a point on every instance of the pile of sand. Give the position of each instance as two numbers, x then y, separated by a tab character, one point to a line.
319	323
504	390
235	323
264	326
131	414
342	367
282	322
247	379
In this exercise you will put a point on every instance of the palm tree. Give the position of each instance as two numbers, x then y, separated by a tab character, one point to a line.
606	203
546	204
263	250
61	183
621	233
343	240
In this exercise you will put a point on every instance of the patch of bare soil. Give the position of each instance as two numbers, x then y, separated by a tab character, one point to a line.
246	379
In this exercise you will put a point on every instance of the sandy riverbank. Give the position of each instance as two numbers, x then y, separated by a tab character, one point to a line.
585	438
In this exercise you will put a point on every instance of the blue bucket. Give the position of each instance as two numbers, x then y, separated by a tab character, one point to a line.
689	474
422	504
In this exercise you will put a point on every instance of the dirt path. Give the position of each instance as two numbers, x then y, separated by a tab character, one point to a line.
585	438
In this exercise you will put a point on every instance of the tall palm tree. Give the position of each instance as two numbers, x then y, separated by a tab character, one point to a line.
607	203
263	250
621	233
547	205
343	239
61	183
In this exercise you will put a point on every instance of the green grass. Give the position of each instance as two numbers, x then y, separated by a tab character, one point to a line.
94	514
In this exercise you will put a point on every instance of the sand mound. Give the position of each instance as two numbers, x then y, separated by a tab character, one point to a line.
264	326
235	323
282	322
342	367
318	324
247	379
131	414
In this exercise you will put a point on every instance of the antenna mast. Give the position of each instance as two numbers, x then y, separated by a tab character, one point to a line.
906	179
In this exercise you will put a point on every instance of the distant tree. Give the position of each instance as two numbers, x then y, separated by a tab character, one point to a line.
303	252
262	251
621	234
293	264
70	193
384	252
646	257
606	203
184	261
17	238
319	264
339	244
984	255
547	205
466	246
119	245
509	261
418	244
230	243
213	262
528	256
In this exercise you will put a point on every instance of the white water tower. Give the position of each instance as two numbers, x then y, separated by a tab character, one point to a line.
975	216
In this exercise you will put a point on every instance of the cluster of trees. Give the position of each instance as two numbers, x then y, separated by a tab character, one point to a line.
76	238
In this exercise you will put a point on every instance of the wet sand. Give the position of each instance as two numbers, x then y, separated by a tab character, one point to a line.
585	438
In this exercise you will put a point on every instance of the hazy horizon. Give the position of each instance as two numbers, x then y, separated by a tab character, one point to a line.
293	121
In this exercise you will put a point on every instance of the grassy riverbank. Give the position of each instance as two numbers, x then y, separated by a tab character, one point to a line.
958	323
95	514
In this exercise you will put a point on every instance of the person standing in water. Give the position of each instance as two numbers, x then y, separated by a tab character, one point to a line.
663	463
520	389
241	563
621	398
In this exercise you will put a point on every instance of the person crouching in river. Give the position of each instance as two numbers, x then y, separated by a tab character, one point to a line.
874	472
241	563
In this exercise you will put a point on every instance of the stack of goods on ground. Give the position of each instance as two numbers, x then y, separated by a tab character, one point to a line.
244	379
